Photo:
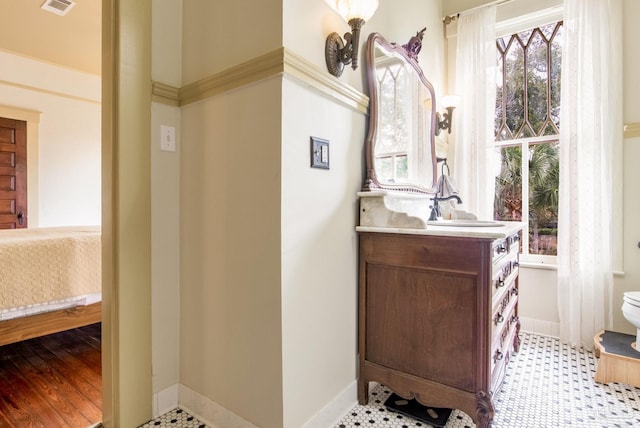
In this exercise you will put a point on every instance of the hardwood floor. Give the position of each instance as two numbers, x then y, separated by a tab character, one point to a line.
52	381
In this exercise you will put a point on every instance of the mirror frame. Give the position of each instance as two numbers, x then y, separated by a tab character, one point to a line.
408	52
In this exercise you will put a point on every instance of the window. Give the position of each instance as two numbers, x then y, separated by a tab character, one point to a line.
526	135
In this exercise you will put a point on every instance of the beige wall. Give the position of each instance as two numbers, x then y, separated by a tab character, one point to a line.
165	208
221	34
165	250
63	145
230	252
230	325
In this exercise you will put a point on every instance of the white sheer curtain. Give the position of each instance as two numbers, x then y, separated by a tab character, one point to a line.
473	120
590	126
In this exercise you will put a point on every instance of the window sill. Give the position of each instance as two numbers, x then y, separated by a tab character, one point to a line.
538	265
551	266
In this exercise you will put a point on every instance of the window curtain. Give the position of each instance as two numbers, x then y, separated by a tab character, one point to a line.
473	120
590	126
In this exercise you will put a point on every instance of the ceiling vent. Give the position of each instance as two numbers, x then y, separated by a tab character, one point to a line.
59	7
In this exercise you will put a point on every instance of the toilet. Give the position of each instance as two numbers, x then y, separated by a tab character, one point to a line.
631	311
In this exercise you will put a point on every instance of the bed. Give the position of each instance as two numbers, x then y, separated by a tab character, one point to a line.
50	280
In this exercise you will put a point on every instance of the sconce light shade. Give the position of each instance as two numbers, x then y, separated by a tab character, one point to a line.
338	53
362	9
450	101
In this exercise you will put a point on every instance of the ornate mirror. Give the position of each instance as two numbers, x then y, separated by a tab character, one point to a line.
400	144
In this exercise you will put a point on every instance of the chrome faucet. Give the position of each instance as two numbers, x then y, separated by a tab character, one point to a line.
435	208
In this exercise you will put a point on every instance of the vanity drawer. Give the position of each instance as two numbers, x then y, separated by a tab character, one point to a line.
503	343
501	360
503	314
507	246
500	249
503	276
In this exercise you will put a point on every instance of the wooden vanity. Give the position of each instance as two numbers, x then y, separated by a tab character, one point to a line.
438	304
438	313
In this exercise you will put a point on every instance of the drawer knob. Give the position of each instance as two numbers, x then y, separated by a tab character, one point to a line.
498	319
497	356
500	283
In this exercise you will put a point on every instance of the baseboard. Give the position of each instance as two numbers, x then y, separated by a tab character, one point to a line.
216	416
164	401
330	414
541	327
209	412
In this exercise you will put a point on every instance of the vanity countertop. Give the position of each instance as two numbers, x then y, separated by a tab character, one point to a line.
509	228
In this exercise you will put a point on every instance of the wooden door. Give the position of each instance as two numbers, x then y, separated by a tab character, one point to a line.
13	173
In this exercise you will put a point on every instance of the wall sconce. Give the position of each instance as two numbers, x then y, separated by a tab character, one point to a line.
338	53
444	121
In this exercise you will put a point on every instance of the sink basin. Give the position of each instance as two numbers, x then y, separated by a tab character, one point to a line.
466	223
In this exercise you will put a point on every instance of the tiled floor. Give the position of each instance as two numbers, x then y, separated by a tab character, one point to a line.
176	418
546	385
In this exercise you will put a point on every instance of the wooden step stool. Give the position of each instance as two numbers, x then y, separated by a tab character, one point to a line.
619	358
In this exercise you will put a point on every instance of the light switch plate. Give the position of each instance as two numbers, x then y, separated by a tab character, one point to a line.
319	153
167	138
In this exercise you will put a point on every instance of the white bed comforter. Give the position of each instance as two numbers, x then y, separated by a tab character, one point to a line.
49	265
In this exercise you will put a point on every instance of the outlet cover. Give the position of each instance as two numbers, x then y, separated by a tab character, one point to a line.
319	153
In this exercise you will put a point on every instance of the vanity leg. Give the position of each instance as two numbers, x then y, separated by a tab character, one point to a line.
484	410
516	338
363	391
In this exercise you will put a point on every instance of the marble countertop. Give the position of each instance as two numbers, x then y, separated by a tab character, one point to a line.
508	229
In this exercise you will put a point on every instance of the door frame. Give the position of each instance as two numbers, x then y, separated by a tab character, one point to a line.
126	213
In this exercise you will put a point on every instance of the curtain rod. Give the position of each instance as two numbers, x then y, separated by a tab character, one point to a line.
450	18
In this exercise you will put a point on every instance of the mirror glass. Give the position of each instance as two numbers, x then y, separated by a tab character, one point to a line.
400	145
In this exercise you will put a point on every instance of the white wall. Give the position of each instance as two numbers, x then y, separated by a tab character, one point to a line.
631	205
64	163
319	252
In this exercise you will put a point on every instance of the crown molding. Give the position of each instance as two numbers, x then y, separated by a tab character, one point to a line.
275	63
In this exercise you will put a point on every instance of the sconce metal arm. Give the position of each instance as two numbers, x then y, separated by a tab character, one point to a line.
338	53
445	122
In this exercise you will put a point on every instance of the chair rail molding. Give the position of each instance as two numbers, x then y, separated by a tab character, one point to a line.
278	62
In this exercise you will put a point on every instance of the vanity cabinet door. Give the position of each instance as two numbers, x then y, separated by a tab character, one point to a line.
419	323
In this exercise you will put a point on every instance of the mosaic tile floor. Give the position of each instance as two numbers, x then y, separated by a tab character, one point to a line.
547	384
176	418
